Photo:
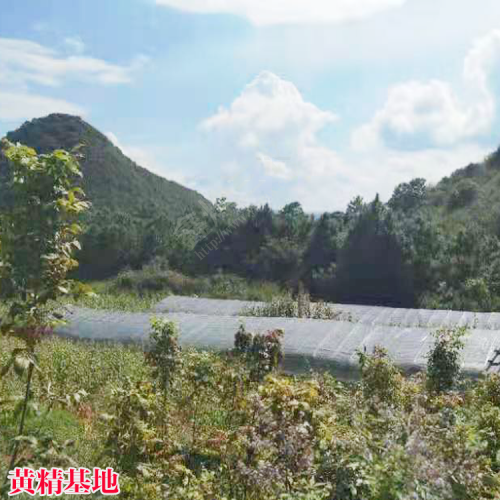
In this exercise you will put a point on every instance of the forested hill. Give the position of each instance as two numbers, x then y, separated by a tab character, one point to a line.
111	180
429	246
469	194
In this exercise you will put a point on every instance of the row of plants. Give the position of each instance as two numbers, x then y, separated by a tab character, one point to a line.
286	306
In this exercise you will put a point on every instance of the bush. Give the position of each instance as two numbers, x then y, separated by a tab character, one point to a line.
379	377
131	434
443	360
158	277
216	434
279	307
164	352
465	192
262	352
488	390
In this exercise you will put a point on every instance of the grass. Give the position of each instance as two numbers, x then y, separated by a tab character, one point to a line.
65	368
140	291
109	296
156	277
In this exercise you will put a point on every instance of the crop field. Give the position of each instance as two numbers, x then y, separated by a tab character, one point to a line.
193	424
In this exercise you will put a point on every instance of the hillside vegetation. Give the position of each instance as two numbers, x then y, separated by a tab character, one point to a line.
110	179
126	198
470	193
429	246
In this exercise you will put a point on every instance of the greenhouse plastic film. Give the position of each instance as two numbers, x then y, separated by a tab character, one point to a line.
362	314
307	343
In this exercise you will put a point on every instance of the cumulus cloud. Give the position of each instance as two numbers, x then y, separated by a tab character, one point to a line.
266	12
267	140
274	168
269	105
385	168
271	122
267	143
431	114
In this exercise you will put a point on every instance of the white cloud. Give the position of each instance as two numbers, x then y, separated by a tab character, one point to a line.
385	168
24	62
18	106
274	168
270	125
267	143
382	170
269	117
431	114
75	44
266	106
266	12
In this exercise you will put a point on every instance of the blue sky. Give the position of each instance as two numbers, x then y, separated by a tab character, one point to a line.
260	101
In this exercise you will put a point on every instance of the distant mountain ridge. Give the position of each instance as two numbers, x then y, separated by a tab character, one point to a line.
111	180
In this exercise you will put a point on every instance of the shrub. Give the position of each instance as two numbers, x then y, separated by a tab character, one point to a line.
219	436
379	377
131	434
489	429
38	240
276	449
243	341
157	277
488	389
262	352
477	294
279	307
465	192
443	360
164	352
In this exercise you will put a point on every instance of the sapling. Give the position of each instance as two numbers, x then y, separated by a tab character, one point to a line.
444	359
38	239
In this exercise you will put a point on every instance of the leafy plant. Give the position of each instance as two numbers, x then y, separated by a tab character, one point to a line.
38	237
216	434
443	360
465	192
262	352
164	351
287	307
131	436
379	377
